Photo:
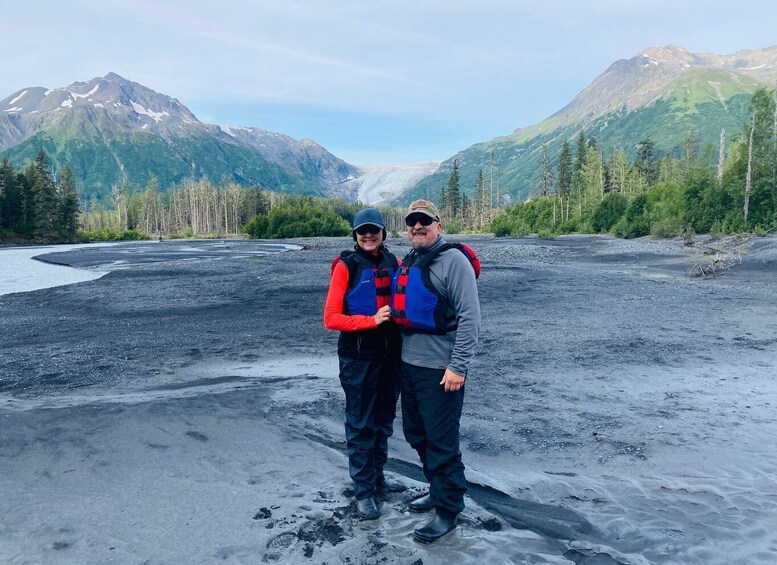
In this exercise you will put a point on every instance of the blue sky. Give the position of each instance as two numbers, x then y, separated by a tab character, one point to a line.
373	81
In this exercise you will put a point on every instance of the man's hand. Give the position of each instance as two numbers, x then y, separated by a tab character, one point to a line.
452	381
382	315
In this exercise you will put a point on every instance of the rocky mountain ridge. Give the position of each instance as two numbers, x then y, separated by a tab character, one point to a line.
110	129
637	82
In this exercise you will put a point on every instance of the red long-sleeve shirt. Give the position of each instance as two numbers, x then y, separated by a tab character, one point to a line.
334	319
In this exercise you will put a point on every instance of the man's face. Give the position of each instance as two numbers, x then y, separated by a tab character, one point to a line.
421	235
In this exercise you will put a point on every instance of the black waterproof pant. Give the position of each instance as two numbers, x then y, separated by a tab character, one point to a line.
371	391
430	418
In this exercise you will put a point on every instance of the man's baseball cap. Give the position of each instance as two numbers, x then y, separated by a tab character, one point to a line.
368	216
423	207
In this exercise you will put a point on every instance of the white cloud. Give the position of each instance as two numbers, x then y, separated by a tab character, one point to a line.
499	64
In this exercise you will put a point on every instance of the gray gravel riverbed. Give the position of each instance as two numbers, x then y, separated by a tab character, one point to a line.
185	408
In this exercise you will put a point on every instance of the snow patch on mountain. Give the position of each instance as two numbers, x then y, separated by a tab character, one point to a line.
18	97
87	95
385	182
156	116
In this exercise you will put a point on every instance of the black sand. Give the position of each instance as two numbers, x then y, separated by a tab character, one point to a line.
185	408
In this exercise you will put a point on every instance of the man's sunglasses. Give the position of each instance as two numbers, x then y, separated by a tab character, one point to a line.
423	218
368	228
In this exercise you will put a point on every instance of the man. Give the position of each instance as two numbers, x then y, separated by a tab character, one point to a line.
435	304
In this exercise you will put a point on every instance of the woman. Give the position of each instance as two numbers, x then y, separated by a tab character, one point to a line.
357	304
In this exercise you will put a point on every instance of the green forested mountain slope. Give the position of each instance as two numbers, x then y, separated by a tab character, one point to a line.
662	93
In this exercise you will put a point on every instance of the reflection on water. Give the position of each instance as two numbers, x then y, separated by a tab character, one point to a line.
23	269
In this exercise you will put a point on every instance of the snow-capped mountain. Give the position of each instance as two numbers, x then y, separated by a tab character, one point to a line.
111	129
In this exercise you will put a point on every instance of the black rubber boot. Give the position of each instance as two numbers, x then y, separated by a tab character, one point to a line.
367	509
423	504
434	530
390	485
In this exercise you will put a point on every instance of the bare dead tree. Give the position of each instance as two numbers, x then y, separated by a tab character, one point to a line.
491	188
774	152
749	175
722	154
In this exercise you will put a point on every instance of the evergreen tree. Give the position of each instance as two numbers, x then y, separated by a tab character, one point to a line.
466	210
580	152
577	179
546	174
443	200
10	198
646	160
564	176
45	201
452	193
68	204
26	218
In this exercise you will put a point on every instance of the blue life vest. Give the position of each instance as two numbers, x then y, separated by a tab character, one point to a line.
416	305
369	283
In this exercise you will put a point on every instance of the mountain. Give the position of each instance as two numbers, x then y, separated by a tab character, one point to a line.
662	92
110	129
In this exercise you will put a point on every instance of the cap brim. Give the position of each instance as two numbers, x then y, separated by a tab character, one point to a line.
381	226
425	213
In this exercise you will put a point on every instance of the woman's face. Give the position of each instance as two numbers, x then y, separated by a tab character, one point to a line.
369	238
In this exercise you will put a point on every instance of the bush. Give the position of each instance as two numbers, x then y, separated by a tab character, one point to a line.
666	228
609	211
734	222
453	226
309	219
522	219
509	225
760	231
572	225
256	228
630	230
546	234
111	235
635	222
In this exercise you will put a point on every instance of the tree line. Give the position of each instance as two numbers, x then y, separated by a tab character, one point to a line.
201	208
585	188
36	204
723	189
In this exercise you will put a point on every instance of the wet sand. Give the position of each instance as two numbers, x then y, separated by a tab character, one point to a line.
186	408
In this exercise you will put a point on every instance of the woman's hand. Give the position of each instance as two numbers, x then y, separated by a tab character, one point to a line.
382	315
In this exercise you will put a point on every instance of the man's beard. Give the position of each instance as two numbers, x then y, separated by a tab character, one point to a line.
419	245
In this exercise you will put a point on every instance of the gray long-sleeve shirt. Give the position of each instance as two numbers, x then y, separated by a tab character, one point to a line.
452	275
